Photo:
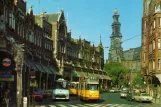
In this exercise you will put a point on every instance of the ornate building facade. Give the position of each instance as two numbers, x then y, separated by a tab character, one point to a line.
21	42
41	50
76	58
116	50
151	45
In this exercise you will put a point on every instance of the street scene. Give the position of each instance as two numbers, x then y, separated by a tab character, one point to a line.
80	53
106	100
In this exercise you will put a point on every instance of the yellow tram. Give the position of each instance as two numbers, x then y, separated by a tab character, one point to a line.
88	89
73	88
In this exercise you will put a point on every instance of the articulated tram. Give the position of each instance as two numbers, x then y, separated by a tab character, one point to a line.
88	89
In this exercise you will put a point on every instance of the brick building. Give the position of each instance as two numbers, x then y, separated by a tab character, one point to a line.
151	53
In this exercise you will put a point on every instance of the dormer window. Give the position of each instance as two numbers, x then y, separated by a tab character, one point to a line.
80	55
93	59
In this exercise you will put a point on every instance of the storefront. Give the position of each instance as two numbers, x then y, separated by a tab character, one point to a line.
7	73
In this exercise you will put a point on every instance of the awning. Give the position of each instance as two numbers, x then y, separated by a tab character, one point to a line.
97	76
100	76
77	74
158	76
47	69
31	65
39	67
85	74
53	70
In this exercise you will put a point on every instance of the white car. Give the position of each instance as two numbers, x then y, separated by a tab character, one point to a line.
113	90
123	94
143	97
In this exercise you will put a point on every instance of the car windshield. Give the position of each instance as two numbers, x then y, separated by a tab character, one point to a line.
38	92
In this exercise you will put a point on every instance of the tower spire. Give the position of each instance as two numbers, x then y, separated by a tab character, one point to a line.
116	38
100	43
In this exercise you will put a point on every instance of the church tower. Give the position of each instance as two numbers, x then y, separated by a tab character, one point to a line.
116	50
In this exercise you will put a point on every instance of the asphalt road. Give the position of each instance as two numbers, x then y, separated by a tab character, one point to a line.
106	100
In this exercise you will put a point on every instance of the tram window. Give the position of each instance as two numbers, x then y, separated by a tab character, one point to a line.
92	87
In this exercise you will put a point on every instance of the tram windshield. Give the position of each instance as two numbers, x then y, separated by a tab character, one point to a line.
60	85
92	86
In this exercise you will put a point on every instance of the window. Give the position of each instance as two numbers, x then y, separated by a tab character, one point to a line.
159	45
150	48
155	8
145	25
153	44
154	23
80	55
153	64
144	57
92	87
159	21
11	20
159	62
18	28
151	29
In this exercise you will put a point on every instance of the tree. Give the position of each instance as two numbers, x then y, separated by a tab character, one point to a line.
117	72
138	80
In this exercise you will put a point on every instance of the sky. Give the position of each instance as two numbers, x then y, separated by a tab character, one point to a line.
92	18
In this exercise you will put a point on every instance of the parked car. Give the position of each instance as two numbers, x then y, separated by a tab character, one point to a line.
113	90
124	93
125	89
130	96
143	97
38	95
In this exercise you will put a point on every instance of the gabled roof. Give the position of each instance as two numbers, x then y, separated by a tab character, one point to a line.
52	17
49	17
132	54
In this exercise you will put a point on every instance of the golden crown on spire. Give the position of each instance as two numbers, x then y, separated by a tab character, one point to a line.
115	11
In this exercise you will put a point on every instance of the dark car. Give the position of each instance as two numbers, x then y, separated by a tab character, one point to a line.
38	95
130	96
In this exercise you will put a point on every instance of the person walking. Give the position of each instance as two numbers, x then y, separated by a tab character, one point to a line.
7	97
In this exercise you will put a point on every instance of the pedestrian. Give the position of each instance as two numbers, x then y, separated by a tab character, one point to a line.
7	97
